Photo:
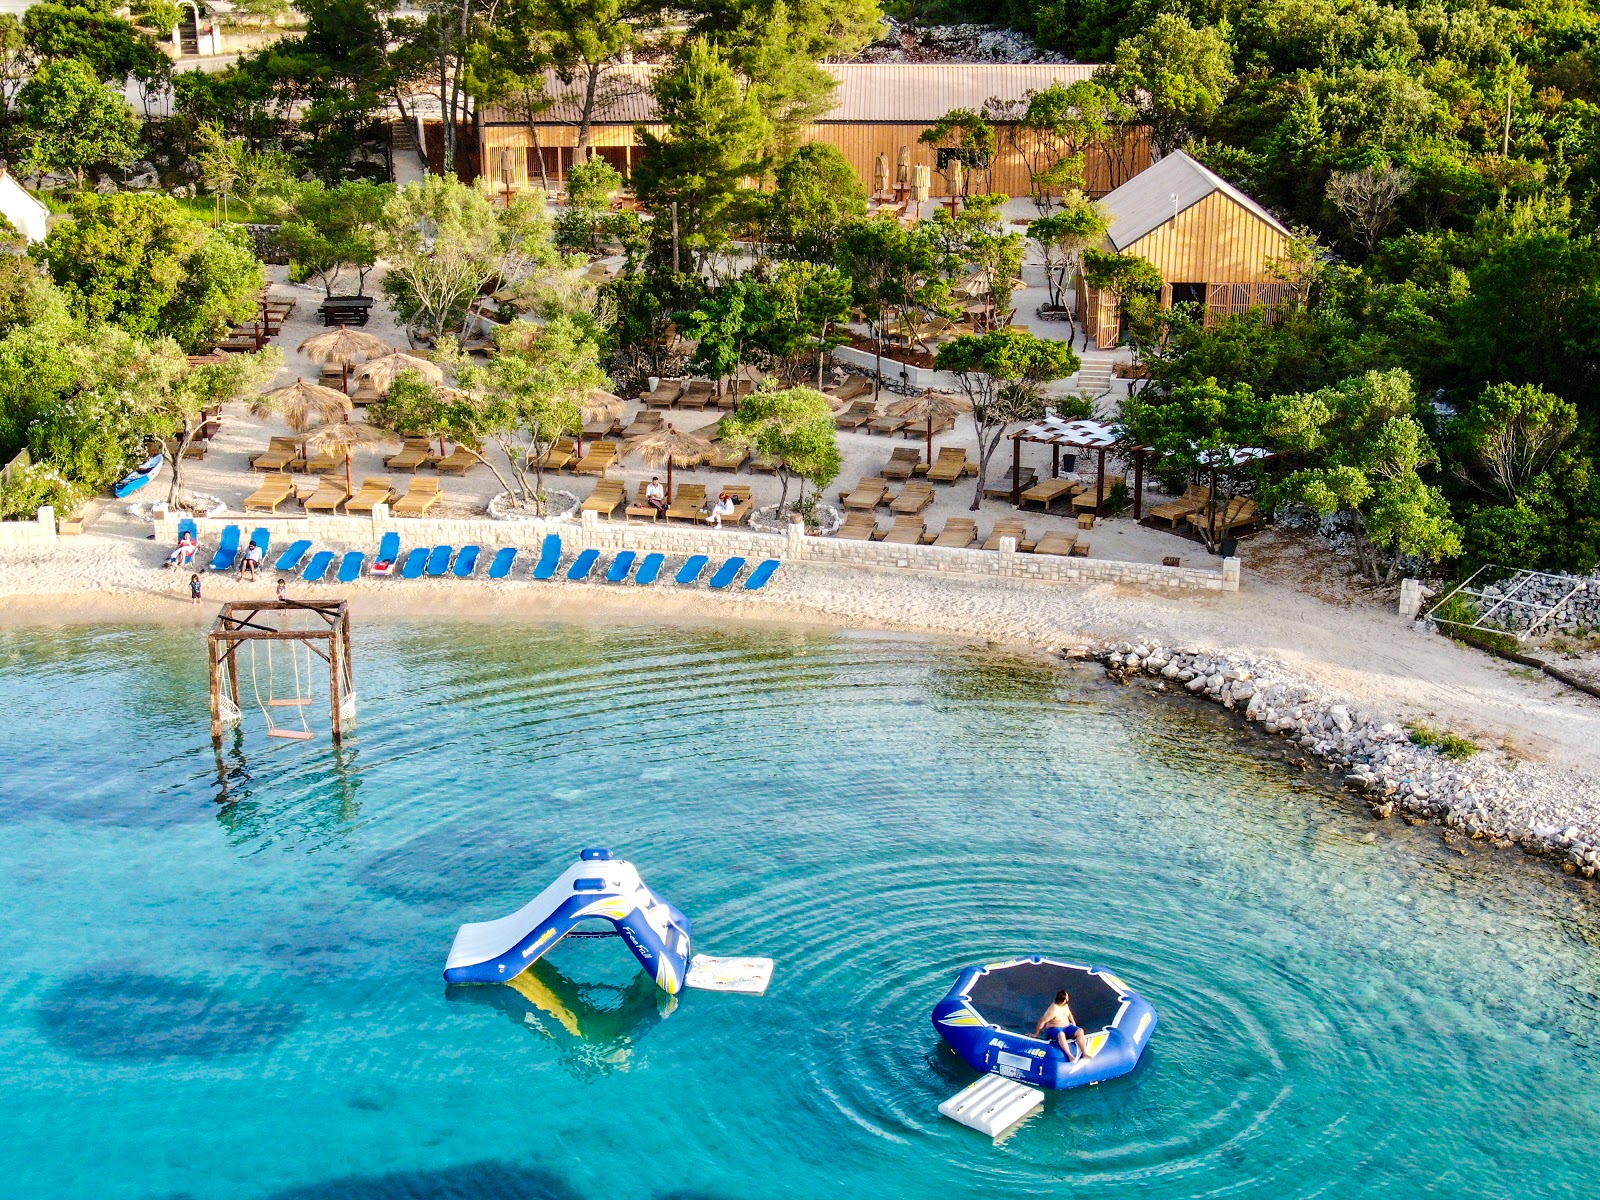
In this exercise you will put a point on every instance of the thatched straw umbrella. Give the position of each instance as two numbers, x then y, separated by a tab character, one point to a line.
349	436
958	181
344	346
383	370
302	404
668	447
932	407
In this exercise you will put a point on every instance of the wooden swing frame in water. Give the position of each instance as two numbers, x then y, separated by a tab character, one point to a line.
326	633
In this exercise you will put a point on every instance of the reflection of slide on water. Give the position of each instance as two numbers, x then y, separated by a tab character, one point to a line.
595	1025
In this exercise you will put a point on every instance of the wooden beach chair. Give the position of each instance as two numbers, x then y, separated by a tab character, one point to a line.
329	495
374	490
1009	528
906	531
698	394
855	385
860	412
637	506
744	501
600	458
913	498
461	460
608	496
646	422
688	504
1195	497
958	532
1238	513
421	495
1056	542
886	424
324	462
558	457
1048	491
1001	490
902	464
868	494
858	527
281	454
274	490
950	466
766	462
415	453
665	394
728	458
919	429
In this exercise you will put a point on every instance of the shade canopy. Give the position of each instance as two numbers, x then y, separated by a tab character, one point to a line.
932	406
672	447
601	405
348	437
1083	434
981	283
383	370
303	405
344	346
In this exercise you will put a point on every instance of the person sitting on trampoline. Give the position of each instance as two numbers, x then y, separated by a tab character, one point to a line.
1057	1025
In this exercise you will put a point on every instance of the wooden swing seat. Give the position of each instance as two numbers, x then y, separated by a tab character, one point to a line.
288	703
298	735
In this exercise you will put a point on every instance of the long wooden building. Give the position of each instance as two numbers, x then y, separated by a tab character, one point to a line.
1213	244
878	109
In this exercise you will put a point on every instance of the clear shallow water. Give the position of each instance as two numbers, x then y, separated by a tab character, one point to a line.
228	985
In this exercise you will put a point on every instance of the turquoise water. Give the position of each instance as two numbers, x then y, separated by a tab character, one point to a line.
223	973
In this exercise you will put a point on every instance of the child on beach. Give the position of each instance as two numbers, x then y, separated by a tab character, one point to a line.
194	589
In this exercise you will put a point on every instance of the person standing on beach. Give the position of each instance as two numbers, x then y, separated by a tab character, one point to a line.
283	590
194	590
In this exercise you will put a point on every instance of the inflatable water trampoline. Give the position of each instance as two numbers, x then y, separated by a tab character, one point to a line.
989	1015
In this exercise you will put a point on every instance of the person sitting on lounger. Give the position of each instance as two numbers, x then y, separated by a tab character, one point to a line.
183	553
1057	1025
251	561
655	495
723	508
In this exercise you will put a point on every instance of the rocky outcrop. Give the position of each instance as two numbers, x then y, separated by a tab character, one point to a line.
1511	804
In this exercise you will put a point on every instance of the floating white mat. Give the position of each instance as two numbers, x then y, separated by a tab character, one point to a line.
992	1105
749	975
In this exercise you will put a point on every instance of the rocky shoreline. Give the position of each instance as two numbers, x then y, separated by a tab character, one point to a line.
1526	805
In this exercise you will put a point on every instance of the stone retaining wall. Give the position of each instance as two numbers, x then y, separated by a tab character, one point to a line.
792	546
41	531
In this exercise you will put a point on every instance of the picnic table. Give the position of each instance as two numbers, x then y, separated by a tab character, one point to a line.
345	310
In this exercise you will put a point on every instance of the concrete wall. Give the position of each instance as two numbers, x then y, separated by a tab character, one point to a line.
674	539
41	531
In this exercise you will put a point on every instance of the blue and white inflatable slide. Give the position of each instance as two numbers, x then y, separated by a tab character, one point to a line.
596	887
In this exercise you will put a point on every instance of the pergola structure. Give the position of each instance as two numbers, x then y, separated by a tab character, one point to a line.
1056	432
321	627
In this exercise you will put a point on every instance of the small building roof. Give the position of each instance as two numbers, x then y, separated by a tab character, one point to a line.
875	93
1163	190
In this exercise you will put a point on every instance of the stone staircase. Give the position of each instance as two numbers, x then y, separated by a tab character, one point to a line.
1095	376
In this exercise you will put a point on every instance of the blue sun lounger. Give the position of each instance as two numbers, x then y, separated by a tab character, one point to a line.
439	561
549	557
415	561
317	568
504	559
620	566
227	549
350	566
467	561
263	538
388	548
649	569
763	572
689	574
188	526
291	558
579	571
726	574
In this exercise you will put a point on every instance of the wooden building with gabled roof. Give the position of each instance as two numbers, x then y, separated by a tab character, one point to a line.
1213	244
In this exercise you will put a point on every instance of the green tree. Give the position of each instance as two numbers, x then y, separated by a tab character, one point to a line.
966	137
816	194
331	230
587	216
1063	236
1052	131
112	47
727	325
1359	449
71	121
585	37
175	414
1003	375
1175	76
807	302
796	429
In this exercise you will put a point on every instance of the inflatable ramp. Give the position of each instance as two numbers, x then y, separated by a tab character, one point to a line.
597	887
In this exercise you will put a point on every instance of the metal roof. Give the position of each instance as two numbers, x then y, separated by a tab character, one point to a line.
879	93
1164	189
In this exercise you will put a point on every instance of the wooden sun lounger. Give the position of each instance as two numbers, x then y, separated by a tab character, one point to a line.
420	496
858	414
698	394
856	385
417	452
559	456
920	428
374	490
665	395
1057	542
324	462
329	495
1048	491
637	506
1009	529
274	490
913	498
688	504
1240	511
600	458
744	501
462	459
959	532
902	464
950	466
858	527
608	496
868	494
281	454
728	458
1002	489
645	422
906	531
1195	497
886	424
766	462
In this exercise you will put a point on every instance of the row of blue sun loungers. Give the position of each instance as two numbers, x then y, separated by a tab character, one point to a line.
441	561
